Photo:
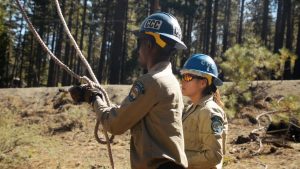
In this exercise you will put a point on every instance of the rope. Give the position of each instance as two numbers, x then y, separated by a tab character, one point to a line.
73	74
81	56
37	36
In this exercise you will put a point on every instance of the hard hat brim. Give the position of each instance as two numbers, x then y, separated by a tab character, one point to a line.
179	44
217	81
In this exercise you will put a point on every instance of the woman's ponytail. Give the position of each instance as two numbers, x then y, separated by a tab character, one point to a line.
217	98
212	89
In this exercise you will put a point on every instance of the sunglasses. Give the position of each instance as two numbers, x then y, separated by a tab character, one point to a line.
189	77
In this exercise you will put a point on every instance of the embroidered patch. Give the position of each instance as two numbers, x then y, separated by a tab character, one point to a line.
136	90
217	124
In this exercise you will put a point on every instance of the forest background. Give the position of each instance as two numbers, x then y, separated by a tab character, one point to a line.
226	30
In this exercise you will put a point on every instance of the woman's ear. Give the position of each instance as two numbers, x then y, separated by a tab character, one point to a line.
203	83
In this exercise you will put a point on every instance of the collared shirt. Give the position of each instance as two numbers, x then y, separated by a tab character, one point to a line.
204	147
153	113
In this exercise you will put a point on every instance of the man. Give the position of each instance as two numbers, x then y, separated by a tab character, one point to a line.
153	108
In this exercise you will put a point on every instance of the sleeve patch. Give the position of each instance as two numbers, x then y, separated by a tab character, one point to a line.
217	125
136	90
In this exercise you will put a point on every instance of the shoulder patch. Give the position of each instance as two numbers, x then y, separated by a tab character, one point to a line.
217	125
136	90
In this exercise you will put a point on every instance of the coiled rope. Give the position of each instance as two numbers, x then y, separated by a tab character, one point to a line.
93	83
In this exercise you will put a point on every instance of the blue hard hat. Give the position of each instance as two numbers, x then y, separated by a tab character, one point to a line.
200	65
163	24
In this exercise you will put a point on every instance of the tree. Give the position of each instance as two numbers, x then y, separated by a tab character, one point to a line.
289	36
82	32
105	42
297	64
3	57
265	25
154	6
208	14
214	29
117	44
226	25
4	48
40	8
65	77
54	73
279	32
240	35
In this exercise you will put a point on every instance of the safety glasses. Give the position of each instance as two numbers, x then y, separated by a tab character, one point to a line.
189	77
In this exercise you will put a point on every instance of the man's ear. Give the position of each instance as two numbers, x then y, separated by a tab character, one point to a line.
150	45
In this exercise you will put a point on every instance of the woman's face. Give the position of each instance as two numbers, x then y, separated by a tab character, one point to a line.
192	86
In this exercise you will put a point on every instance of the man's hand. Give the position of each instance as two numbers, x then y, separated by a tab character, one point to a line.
84	93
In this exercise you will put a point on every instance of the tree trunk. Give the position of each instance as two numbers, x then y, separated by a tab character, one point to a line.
104	46
226	25
117	45
66	77
154	6
58	50
91	39
214	30
297	64
19	50
82	36
125	46
265	25
4	62
184	38
40	52
278	41
50	81
31	57
22	58
289	37
240	35
73	60
208	14
289	24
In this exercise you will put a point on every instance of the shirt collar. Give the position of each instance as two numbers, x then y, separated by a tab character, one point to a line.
161	66
204	100
201	103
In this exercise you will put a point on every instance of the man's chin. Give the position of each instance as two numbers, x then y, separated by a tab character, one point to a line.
143	66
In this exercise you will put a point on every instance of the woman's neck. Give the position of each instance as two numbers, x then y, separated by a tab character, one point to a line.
196	98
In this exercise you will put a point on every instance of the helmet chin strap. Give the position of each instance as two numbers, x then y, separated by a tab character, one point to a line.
208	77
157	38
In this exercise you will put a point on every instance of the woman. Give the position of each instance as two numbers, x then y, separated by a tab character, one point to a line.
204	122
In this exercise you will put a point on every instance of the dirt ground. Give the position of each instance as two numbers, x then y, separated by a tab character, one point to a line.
43	128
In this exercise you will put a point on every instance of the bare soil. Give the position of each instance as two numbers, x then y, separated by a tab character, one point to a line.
43	128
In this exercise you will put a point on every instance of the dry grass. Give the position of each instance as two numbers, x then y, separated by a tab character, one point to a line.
40	128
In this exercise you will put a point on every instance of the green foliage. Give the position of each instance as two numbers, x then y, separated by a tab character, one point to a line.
3	16
246	63
290	107
286	54
249	62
